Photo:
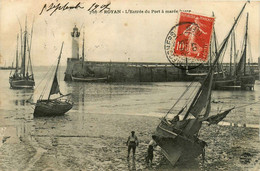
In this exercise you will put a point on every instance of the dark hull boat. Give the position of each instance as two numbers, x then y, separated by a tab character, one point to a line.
240	79
21	84
247	81
179	139
176	145
23	78
53	107
243	83
89	79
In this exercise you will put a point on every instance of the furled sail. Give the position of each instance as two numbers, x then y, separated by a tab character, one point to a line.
202	99
240	65
215	119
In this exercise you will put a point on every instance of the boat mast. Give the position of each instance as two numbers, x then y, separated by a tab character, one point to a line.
21	35
16	64
213	65
235	52
24	55
55	75
245	44
29	58
215	43
231	50
83	49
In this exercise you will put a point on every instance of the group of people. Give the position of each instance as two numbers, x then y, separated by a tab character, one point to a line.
132	143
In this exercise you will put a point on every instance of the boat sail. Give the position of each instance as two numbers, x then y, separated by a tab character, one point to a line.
53	107
246	80
239	78
179	139
23	78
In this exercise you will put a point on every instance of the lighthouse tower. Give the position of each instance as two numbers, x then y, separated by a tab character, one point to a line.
75	43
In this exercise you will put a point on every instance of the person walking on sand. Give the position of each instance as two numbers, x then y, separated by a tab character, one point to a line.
151	146
132	143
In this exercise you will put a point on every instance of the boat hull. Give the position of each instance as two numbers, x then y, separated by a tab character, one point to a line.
176	146
242	83
89	79
51	108
247	81
22	84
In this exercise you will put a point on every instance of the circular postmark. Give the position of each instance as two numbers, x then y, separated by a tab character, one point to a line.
185	46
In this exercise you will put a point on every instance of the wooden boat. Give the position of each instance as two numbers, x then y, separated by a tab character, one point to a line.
89	79
53	107
179	139
23	77
240	78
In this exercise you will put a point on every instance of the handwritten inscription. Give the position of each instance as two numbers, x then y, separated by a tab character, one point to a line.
101	8
52	8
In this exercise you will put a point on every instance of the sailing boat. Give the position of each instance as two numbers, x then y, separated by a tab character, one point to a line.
85	74
239	78
179	139
56	106
23	78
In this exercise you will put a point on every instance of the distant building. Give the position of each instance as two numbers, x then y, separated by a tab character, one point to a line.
75	43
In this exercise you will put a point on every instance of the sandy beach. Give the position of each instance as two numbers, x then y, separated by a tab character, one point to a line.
101	146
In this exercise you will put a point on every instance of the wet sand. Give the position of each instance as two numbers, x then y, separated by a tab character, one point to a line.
101	146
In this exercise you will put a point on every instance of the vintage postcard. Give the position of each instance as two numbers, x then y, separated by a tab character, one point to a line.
129	85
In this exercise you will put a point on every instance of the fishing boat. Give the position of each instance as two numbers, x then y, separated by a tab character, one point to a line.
56	106
88	79
239	78
23	77
178	137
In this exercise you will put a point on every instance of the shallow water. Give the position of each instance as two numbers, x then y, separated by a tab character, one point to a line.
106	100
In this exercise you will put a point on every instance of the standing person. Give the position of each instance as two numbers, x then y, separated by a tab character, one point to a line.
151	146
132	143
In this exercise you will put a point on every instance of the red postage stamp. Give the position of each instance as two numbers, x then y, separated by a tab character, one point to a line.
193	37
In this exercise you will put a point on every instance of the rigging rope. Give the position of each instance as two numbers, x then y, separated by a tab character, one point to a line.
41	82
44	89
188	87
192	94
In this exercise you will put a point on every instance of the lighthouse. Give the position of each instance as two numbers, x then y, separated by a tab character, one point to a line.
75	43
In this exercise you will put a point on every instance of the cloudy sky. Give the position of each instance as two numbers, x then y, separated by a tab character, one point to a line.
115	37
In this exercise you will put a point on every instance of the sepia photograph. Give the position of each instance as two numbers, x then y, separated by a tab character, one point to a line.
134	85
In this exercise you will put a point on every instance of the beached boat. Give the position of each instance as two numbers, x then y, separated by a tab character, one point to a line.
179	138
23	77
53	107
241	77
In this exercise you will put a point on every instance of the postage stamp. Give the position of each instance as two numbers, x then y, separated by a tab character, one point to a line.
189	39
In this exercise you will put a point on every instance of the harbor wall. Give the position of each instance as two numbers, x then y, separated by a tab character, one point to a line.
133	71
